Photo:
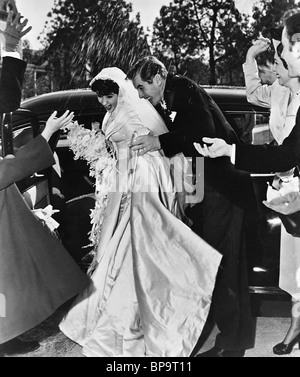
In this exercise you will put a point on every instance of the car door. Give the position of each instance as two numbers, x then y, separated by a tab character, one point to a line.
252	126
17	129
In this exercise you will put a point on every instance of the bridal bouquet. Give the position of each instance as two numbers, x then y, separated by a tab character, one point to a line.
92	146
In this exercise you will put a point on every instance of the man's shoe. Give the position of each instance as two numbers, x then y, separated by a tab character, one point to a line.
18	347
219	352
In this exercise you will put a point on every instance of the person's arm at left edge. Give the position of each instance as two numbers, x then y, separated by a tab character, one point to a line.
11	84
13	68
35	155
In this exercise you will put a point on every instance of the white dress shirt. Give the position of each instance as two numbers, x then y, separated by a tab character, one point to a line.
15	54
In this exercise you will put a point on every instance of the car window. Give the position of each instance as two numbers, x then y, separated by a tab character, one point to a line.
6	134
19	124
21	127
22	136
251	127
261	133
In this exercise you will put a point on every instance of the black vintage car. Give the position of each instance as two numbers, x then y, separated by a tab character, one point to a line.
77	187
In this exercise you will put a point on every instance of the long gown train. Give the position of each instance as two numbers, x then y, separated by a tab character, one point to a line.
152	288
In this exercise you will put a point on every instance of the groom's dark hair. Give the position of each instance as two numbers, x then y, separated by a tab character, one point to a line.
147	68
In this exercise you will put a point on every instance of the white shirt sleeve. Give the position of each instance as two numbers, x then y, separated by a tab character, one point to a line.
233	154
257	93
15	55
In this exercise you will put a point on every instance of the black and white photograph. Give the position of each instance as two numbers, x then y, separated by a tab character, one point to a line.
149	181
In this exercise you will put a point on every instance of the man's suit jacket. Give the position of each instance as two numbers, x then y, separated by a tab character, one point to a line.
270	158
197	116
11	84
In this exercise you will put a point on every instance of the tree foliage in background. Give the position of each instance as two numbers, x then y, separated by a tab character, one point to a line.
207	40
87	35
214	34
37	79
268	14
234	40
205	30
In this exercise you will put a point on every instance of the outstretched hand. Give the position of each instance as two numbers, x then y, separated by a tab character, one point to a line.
14	31
54	124
214	148
286	204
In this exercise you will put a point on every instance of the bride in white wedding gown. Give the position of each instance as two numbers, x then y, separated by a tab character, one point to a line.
153	278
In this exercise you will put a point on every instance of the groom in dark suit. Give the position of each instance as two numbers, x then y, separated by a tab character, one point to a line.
221	215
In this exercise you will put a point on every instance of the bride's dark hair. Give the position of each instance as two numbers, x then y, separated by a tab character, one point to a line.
104	87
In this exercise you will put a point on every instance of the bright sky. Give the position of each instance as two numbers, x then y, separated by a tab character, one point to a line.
36	11
245	6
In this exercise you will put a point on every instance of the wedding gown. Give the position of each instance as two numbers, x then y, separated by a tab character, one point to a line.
151	290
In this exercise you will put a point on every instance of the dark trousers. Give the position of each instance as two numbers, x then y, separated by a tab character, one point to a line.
221	223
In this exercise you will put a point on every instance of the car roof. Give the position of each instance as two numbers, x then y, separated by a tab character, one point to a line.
84	101
230	98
